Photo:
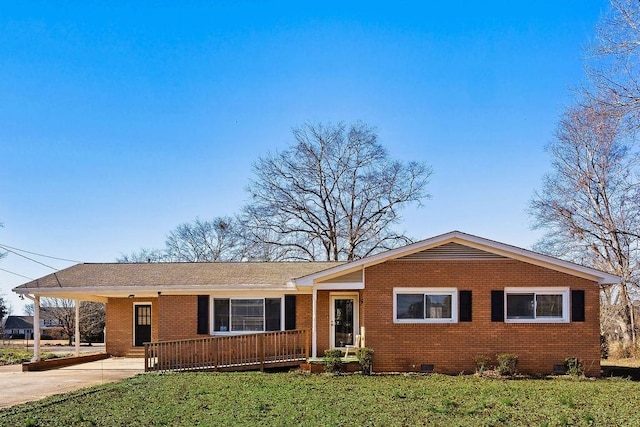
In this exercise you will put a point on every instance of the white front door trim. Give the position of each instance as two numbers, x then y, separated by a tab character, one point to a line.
333	296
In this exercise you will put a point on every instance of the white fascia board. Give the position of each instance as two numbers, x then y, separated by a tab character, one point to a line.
347	286
81	296
487	245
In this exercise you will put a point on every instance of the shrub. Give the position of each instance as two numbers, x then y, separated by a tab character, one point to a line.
507	363
482	362
573	366
333	361
365	358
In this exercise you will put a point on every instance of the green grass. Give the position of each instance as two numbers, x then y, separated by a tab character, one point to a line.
12	356
291	399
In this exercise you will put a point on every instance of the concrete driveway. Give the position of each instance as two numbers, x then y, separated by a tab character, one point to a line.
20	387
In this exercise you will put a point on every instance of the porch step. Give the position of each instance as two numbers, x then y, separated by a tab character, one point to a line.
136	353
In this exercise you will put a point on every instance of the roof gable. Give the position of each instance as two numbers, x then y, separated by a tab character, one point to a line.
450	251
456	245
19	322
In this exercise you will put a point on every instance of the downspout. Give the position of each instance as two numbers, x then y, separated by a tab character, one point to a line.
77	334
314	333
36	327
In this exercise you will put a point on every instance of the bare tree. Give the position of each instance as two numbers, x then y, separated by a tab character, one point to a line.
144	255
61	313
254	243
4	308
29	309
92	321
589	205
614	63
204	241
333	195
218	239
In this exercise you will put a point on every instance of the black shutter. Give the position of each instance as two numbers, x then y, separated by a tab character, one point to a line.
203	314
465	306
289	312
272	314
577	305
497	306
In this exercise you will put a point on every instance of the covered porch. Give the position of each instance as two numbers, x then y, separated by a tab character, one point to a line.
39	324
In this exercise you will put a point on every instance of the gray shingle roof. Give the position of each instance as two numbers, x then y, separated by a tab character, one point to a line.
178	274
19	322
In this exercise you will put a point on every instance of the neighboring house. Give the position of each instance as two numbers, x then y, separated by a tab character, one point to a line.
21	326
434	304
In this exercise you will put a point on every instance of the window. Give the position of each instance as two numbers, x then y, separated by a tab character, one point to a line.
425	305
247	315
537	304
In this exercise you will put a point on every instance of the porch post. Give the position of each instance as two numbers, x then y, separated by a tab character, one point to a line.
36	327
314	333
77	333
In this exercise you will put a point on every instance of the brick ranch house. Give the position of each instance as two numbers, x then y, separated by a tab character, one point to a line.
433	304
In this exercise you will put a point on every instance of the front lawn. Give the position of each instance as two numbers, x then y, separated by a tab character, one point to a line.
188	399
11	356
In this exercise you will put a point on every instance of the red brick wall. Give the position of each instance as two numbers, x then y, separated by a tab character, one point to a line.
119	324
178	317
304	313
404	347
451	347
322	327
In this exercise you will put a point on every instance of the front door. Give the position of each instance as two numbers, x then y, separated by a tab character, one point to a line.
344	320
142	322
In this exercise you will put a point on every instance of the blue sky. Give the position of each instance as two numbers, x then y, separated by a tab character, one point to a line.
119	122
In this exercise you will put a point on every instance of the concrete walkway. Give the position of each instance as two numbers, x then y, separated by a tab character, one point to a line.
20	387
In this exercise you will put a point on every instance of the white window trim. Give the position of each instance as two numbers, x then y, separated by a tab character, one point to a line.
428	291
549	290
212	325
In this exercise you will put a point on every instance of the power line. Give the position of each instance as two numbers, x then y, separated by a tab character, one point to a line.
11	272
30	259
37	254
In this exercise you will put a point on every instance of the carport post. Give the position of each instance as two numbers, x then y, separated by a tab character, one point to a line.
77	334
314	314
36	327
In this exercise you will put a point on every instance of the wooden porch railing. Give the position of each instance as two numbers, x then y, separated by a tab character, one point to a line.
229	353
